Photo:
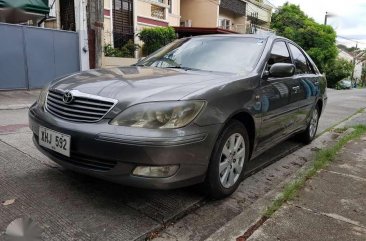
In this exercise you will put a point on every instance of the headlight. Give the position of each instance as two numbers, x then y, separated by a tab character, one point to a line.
42	97
163	115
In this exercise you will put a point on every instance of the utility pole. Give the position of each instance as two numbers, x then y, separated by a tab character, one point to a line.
95	25
325	18
328	15
354	64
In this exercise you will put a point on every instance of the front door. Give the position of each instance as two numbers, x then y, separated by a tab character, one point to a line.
308	83
278	101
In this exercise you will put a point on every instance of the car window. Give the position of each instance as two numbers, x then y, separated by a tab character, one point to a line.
224	54
301	63
279	54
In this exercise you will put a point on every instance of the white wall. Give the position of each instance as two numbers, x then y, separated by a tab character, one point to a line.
358	68
81	28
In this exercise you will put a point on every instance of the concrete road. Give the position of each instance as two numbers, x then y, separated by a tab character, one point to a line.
71	206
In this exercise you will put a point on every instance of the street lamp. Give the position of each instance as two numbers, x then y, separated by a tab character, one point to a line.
328	14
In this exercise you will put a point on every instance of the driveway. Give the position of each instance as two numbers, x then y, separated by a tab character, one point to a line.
71	206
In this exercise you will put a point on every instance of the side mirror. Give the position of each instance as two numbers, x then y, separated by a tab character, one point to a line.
282	70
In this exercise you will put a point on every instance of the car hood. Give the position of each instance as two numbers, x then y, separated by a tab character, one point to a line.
139	84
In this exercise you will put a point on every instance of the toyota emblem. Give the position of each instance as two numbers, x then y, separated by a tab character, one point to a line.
68	97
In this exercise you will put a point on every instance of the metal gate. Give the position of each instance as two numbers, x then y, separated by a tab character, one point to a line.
30	57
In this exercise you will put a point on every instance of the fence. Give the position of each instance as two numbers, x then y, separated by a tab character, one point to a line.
30	57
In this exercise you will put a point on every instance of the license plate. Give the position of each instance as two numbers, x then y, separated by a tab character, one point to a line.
54	140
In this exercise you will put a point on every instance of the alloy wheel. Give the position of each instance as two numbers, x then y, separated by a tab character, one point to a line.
232	160
313	123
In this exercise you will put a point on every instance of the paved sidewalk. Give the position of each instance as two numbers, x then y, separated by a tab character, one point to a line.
332	206
17	99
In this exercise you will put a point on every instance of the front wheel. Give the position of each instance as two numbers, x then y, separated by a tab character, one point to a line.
309	134
230	155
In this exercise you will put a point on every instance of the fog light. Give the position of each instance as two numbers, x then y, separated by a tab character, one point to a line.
155	171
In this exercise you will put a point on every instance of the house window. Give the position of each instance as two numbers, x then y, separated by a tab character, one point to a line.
122	22
225	23
157	12
67	15
170	2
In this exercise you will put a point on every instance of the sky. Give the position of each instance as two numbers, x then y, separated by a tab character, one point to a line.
349	20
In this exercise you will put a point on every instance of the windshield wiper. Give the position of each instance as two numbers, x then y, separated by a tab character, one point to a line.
180	67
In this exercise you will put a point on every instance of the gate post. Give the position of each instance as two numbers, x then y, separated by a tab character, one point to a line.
81	28
25	59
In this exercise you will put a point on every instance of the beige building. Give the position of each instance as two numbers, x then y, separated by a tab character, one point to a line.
243	16
123	19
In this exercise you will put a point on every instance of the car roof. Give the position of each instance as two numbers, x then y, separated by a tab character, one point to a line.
271	37
233	35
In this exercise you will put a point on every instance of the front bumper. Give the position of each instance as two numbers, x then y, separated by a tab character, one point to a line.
112	152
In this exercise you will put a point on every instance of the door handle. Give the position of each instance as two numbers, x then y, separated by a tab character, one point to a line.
316	82
296	88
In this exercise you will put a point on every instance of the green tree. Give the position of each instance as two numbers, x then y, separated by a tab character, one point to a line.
155	38
363	78
318	40
337	70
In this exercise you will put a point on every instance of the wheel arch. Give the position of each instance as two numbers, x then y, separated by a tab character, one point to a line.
248	121
319	104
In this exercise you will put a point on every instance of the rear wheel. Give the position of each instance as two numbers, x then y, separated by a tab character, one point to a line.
228	160
309	134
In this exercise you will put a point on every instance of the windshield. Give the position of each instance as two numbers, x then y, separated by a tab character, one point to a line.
224	54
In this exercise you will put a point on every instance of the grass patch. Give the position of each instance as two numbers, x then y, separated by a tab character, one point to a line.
361	110
322	159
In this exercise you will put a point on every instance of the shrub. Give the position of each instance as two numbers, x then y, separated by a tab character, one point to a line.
155	38
109	51
338	70
127	50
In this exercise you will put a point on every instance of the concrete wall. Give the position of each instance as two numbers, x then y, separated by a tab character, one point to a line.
203	13
108	62
107	24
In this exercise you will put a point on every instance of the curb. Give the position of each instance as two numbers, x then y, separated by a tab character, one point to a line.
245	221
15	107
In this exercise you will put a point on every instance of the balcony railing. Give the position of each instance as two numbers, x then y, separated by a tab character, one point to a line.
256	29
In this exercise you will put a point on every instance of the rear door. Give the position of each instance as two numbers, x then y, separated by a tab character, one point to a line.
277	103
308	85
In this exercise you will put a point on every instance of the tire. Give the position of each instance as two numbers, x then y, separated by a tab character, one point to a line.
308	135
223	182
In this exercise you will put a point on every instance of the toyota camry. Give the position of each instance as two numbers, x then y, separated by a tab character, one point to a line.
198	110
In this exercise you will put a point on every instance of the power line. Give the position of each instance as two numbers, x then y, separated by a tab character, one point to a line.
353	40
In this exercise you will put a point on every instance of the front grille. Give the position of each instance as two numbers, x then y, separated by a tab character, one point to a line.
81	160
83	108
85	162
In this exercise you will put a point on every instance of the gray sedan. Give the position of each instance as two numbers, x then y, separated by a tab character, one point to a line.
196	111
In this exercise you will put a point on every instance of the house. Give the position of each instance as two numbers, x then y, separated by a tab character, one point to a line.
224	14
259	13
358	67
240	16
123	19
